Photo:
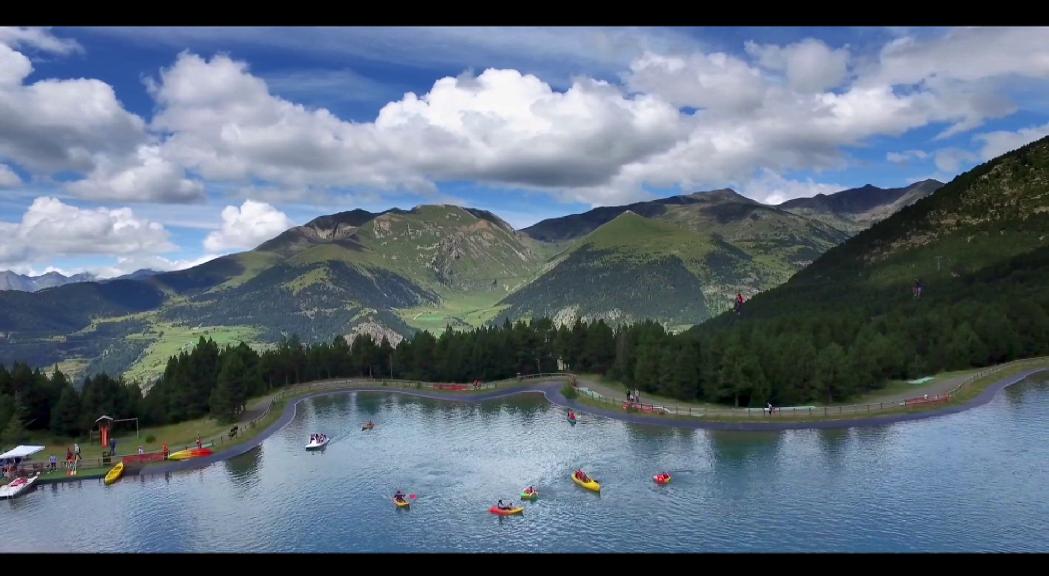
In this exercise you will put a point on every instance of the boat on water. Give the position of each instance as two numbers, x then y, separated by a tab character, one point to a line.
317	441
190	453
116	473
505	511
662	479
589	483
17	487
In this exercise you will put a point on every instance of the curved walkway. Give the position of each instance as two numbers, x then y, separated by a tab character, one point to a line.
551	390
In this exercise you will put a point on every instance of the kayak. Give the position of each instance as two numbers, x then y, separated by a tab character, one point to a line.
315	444
527	496
114	474
592	485
190	453
401	503
662	481
500	512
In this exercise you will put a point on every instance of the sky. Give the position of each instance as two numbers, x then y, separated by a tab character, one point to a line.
129	148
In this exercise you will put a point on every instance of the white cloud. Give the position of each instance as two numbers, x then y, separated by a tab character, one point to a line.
905	156
246	227
716	81
772	188
38	38
500	127
966	54
55	125
951	160
145	177
1001	141
50	228
810	65
8	178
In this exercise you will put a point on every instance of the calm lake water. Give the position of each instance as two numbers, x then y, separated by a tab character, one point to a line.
974	481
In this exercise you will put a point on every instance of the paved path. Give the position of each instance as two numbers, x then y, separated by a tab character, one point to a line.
551	390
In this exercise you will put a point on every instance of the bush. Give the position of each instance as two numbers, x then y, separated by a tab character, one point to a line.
569	391
150	439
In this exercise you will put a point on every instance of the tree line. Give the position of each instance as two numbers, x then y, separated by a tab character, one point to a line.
805	356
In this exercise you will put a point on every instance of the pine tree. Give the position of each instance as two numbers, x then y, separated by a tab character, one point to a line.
14	432
66	415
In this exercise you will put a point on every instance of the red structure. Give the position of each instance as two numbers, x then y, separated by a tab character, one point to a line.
105	424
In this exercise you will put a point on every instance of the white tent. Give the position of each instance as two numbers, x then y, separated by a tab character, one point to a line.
21	452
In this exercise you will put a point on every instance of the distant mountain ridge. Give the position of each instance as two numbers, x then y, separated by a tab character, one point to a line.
677	260
14	281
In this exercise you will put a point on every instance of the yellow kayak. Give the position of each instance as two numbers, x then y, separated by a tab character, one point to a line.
114	474
591	485
401	503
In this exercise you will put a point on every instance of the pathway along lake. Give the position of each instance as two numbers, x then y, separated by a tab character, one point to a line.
974	481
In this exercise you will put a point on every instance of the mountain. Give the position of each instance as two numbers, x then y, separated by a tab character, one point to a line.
974	232
957	280
858	208
137	274
707	245
678	260
383	274
12	281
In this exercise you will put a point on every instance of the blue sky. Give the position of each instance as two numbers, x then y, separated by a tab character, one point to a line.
162	147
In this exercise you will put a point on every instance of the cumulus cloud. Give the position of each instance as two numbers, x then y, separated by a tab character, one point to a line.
499	127
144	177
8	178
810	65
715	81
56	125
38	38
246	227
50	228
1001	141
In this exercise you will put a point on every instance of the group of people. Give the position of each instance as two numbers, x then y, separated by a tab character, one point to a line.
368	426
633	396
317	438
582	476
399	496
502	506
662	477
530	490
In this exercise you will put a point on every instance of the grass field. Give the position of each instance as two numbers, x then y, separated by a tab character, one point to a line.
462	311
169	339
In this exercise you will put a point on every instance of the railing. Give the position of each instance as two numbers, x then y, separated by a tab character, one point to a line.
806	411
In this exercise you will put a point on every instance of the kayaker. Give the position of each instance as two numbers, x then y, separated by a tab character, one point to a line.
199	444
165	450
399	496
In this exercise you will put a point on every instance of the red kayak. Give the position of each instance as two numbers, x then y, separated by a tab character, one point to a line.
662	479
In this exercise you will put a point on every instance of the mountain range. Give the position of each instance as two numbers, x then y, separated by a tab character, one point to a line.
677	260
